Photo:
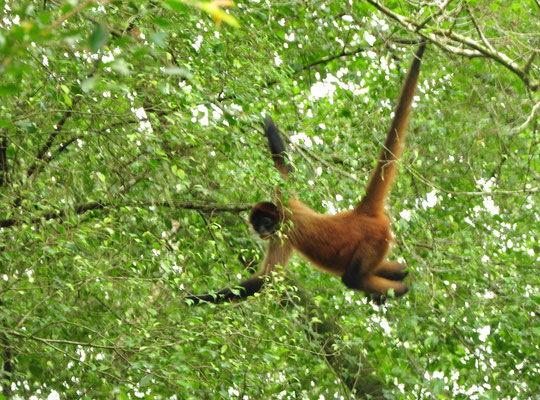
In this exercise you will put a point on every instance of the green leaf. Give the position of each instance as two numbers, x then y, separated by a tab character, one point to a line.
177	5
8	89
88	84
98	38
181	174
159	38
183	72
67	99
4	123
217	13
121	66
146	380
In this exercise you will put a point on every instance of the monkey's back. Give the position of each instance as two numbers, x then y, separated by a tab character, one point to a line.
332	242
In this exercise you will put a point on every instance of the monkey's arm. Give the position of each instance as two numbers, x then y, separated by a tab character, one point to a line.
277	253
245	288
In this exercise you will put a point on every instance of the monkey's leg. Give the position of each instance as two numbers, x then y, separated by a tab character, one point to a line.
363	263
372	284
359	268
378	286
391	270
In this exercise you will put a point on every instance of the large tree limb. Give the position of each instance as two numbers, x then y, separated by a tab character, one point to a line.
94	205
452	42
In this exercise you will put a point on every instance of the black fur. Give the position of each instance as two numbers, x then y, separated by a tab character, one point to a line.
245	288
265	218
350	276
277	145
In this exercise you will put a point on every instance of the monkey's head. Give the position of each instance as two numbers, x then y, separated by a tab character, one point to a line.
264	218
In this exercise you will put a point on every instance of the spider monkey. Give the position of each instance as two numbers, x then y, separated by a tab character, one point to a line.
351	244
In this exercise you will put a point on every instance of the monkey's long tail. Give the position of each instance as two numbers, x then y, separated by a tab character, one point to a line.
383	175
244	289
277	147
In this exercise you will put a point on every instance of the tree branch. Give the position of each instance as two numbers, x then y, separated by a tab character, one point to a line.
3	161
322	331
326	60
7	360
72	12
528	120
62	341
480	33
94	205
42	154
323	161
431	17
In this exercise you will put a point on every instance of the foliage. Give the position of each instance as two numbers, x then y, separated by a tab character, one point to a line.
130	149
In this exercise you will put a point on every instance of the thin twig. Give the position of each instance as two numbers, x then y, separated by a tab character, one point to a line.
480	33
25	317
42	157
463	193
324	60
73	12
323	161
62	341
441	9
3	160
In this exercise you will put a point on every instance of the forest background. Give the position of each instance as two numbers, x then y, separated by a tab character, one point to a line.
131	151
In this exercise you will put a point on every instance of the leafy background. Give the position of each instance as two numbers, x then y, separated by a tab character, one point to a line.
131	150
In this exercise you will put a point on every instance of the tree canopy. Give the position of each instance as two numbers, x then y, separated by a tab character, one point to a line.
131	151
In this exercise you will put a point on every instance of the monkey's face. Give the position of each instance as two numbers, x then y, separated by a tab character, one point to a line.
265	225
265	219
